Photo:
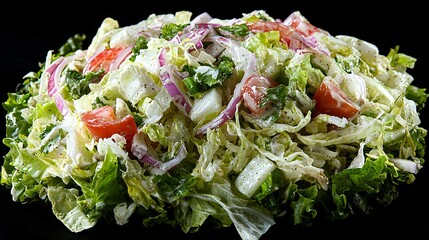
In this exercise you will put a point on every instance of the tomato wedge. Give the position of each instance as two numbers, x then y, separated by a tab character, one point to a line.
102	123
254	90
330	99
301	24
292	31
103	60
262	26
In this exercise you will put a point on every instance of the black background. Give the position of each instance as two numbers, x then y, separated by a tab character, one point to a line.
28	31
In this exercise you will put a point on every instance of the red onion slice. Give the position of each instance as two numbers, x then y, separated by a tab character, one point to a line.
167	166
306	32
194	35
55	70
61	104
244	60
59	70
51	70
180	99
227	114
202	18
140	150
167	75
122	56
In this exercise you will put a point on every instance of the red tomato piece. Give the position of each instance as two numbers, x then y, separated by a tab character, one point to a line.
103	60
330	99
102	123
301	25
262	26
254	90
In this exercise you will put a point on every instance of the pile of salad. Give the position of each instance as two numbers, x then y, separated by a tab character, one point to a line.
192	120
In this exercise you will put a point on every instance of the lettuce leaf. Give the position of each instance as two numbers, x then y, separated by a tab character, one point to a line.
225	204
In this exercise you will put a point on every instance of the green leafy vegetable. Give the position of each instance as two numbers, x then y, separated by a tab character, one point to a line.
78	84
203	78
168	31
239	30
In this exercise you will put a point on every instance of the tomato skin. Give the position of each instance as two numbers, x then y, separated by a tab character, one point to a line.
102	123
262	26
330	99
254	90
103	60
292	31
301	25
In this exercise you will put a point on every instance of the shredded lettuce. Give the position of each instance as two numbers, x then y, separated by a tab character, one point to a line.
268	150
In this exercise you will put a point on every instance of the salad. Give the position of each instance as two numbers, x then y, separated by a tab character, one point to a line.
193	120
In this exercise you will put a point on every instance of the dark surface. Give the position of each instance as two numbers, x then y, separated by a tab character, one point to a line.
28	32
